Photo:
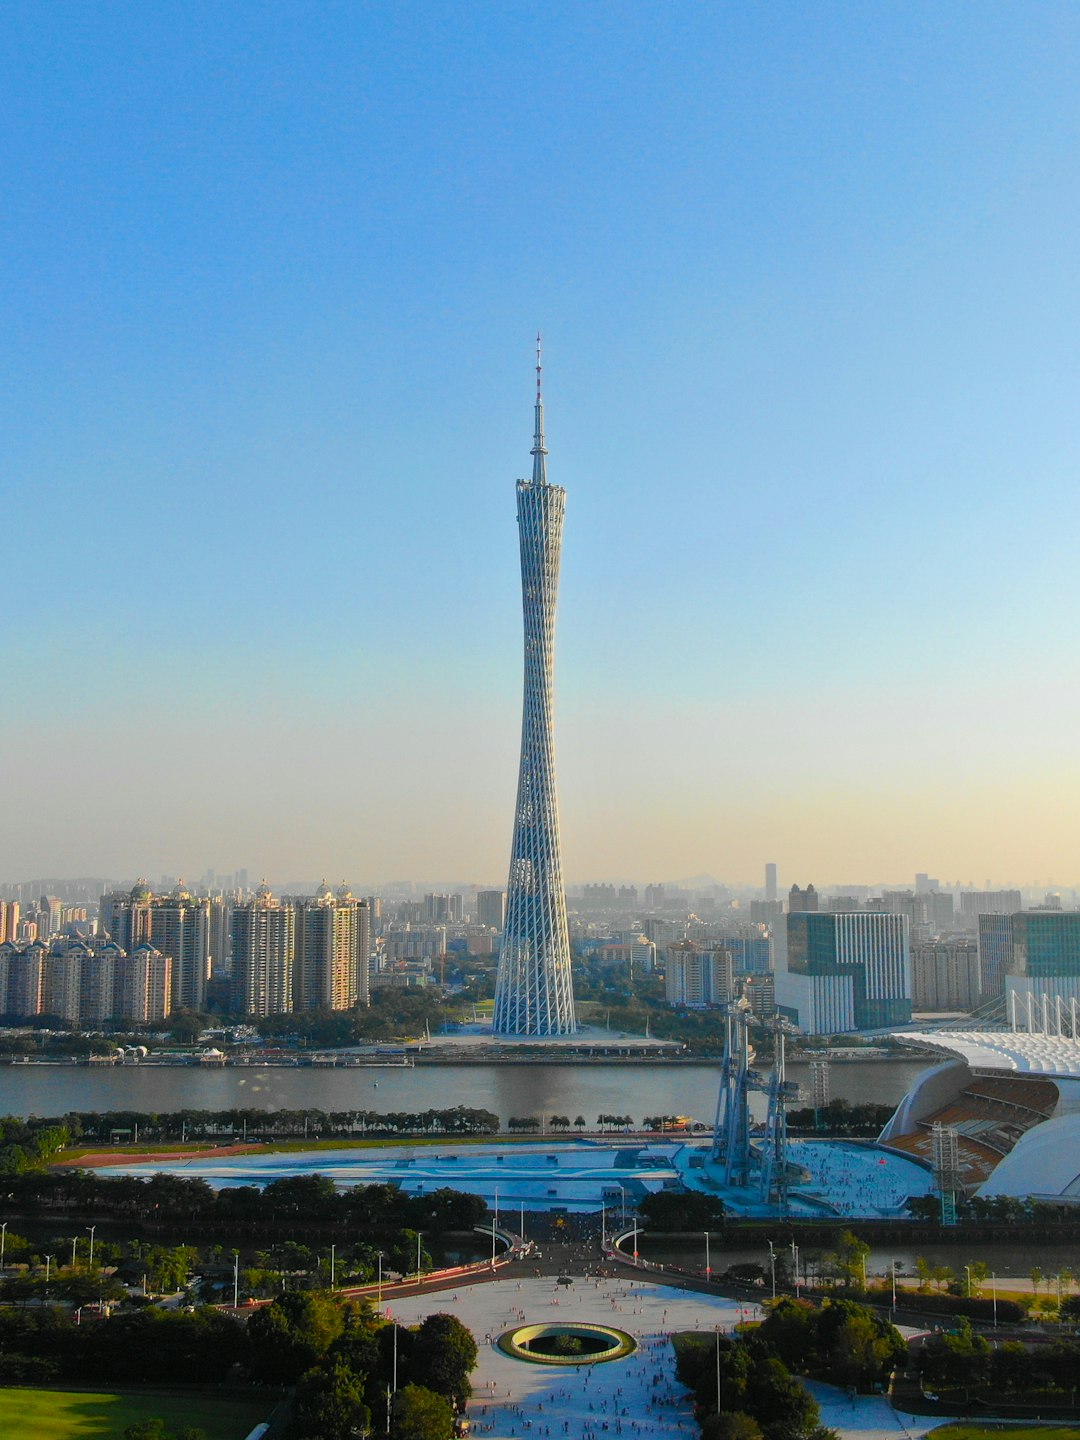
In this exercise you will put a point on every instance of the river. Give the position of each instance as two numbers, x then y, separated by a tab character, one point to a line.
507	1090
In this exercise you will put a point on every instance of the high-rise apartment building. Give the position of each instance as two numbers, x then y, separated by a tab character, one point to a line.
995	952
802	901
945	976
770	883
989	902
534	993
177	924
696	976
333	950
845	972
491	908
263	955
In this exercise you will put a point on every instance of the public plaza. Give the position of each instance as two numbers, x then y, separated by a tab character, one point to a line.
638	1395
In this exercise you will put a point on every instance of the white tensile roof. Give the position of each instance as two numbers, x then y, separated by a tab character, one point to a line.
1004	1049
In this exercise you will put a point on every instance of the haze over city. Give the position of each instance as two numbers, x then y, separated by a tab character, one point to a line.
807	283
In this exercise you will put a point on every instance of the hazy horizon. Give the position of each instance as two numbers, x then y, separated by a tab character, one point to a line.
808	285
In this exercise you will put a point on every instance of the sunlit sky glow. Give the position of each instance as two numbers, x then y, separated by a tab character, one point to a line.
808	281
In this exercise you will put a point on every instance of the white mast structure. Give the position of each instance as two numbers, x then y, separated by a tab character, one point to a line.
533	990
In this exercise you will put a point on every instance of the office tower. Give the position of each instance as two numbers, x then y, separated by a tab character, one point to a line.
534	992
696	976
845	972
177	924
1044	958
945	976
995	952
333	949
263	954
989	902
770	882
491	908
802	902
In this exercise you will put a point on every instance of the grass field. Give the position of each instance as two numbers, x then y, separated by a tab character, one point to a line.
90	1415
1006	1431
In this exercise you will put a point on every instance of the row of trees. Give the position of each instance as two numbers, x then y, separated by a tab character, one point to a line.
962	1360
287	1208
94	1127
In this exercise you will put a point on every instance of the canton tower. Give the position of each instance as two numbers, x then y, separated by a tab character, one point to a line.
533	991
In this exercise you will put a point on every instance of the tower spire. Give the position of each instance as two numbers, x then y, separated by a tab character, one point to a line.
539	450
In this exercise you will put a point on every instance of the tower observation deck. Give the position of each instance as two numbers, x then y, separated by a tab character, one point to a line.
533	990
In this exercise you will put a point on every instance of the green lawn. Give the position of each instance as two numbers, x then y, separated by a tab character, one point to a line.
1006	1431
90	1415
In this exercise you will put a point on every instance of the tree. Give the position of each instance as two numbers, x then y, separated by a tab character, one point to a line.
445	1355
420	1414
731	1425
289	1336
672	1211
782	1407
330	1404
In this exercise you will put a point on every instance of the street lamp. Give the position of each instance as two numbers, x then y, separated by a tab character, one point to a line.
333	1253
772	1267
967	1269
418	1234
708	1266
3	1242
993	1291
48	1268
91	1228
892	1267
380	1278
73	1241
795	1262
236	1279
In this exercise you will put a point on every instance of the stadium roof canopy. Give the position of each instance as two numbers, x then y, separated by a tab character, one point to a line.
1003	1049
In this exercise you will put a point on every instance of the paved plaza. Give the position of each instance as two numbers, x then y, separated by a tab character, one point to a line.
635	1396
638	1396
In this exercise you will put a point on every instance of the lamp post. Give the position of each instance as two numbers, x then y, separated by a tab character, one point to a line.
718	1366
708	1265
48	1269
236	1279
380	1278
603	1229
418	1234
892	1267
772	1268
795	1263
91	1228
73	1238
333	1257
3	1242
993	1291
967	1270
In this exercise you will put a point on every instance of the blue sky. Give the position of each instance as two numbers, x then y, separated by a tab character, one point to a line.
808	281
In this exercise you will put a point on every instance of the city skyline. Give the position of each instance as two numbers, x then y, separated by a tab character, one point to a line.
807	280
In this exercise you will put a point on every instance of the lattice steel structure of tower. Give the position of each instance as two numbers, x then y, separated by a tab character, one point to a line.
533	990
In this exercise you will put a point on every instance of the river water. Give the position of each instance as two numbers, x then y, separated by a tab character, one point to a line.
507	1090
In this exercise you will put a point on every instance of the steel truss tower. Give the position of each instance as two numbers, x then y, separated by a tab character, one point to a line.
533	991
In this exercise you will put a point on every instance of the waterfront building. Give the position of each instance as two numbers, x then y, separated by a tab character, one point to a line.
25	979
534	992
264	954
945	975
143	985
61	981
177	924
697	976
97	981
333	951
840	973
